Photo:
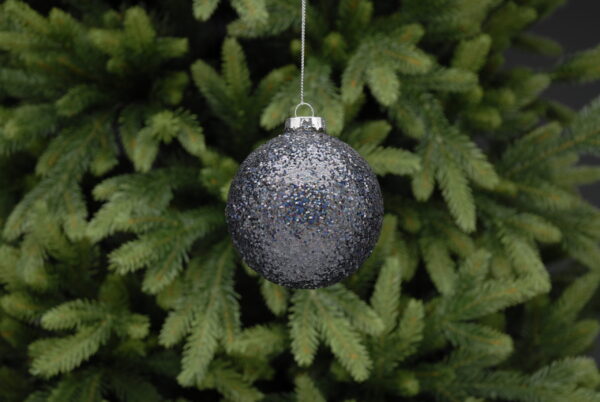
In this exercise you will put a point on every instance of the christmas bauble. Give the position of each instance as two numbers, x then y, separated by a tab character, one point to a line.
304	209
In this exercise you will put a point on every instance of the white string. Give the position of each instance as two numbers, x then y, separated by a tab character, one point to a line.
302	46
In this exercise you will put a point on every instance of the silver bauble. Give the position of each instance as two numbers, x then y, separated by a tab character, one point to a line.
304	209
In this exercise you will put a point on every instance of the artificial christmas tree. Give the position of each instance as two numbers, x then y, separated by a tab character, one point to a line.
122	126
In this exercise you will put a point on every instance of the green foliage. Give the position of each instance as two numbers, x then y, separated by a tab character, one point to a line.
209	312
338	317
383	160
307	391
170	239
377	63
121	130
471	54
251	11
451	159
580	67
319	88
229	95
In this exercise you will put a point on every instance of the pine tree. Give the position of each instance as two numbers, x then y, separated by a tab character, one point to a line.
122	125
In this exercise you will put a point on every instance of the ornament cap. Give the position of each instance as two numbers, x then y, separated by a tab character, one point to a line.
305	122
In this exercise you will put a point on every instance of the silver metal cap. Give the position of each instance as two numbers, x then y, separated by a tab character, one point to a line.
305	122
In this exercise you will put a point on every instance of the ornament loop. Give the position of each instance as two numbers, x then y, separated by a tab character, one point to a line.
307	104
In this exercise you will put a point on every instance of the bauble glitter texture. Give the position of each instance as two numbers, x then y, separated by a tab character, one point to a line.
304	209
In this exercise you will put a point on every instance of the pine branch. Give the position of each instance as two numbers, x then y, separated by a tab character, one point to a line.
133	388
456	192
361	281
344	343
22	305
306	390
179	321
556	382
281	15
90	387
471	54
493	296
319	89
63	164
409	332
203	9
390	160
386	295
66	390
230	383
303	328
22	126
319	314
474	269
164	126
201	345
480	340
214	89
449	20
439	264
358	312
164	250
73	315
235	68
539	44
580	67
133	197
445	79
574	298
423	182
260	341
55	356
581	137
376	62
209	312
370	134
450	159
276	297
229	95
574	340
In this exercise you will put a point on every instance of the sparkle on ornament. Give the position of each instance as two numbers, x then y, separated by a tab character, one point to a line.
304	209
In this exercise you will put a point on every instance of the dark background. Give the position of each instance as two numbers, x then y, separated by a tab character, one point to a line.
576	26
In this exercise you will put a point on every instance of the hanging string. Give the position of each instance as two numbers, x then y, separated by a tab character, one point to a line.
302	51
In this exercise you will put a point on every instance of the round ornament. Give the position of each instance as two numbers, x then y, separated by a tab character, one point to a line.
304	209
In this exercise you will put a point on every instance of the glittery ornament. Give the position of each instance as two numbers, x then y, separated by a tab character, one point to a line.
304	209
